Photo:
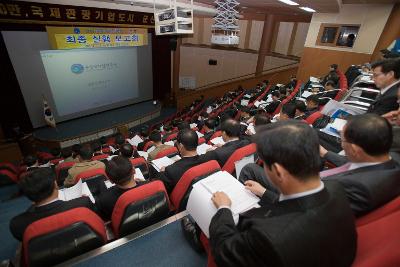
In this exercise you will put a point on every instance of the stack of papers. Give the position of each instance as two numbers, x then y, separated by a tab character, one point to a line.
112	149
158	164
76	191
193	125
169	143
202	209
218	140
314	80
306	94
202	149
143	154
251	128
135	140
151	149
199	134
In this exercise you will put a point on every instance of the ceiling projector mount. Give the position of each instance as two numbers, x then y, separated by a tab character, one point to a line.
225	30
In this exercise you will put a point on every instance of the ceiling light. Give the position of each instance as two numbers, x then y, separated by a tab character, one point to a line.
244	7
289	2
308	9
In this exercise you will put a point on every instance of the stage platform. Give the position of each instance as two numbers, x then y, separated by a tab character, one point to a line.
106	123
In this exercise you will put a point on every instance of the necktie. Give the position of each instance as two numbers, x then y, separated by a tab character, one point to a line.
334	171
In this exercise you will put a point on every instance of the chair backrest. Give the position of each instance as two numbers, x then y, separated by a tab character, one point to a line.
171	137
240	153
380	212
140	207
202	140
8	175
179	196
169	152
56	161
94	179
91	174
9	166
141	163
62	236
148	145
313	117
100	157
378	242
62	170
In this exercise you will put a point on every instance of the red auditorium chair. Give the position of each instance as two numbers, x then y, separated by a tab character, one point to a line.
8	175
106	150
313	117
180	195
141	163
378	243
240	153
169	152
215	135
148	145
56	161
206	244
202	140
91	174
62	171
139	208
380	212
100	157
171	137
9	166
62	236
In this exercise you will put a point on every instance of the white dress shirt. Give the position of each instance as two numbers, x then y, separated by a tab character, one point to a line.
384	90
302	194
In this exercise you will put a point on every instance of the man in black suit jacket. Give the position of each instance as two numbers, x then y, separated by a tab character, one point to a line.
304	219
230	134
186	144
121	172
209	126
371	177
386	75
40	186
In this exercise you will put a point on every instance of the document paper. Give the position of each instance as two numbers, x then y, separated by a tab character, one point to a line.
76	191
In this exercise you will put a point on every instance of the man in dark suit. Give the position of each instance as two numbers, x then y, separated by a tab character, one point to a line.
187	142
230	134
304	218
271	107
332	75
312	103
121	172
209	126
41	188
371	176
386	75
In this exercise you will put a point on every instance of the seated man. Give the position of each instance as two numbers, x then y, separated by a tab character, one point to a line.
96	147
288	112
271	107
371	177
127	151
304	218
119	141
31	162
120	171
230	134
155	136
330	92
386	75
66	153
332	75
312	103
301	109
187	142
84	163
144	134
209	128
41	188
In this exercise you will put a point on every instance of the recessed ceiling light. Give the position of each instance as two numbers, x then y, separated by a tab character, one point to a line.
244	7
308	9
289	2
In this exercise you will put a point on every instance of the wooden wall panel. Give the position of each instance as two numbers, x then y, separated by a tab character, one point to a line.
316	61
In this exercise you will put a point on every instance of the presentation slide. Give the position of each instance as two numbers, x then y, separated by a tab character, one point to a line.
83	79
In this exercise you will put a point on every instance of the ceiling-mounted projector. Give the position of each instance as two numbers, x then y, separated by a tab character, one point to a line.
174	20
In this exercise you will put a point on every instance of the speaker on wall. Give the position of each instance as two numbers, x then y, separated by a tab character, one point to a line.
173	42
212	62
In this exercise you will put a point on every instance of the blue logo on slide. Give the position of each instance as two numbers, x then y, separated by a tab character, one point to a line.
77	68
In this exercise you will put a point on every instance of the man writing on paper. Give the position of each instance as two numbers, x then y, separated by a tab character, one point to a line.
302	227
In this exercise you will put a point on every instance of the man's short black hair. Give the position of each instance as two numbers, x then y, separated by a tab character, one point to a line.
155	136
370	132
144	131
276	93
126	150
289	109
261	119
188	138
313	98
231	128
334	66
388	65
103	140
119	139
96	146
283	90
292	144
210	123
204	114
38	184
301	106
183	125
86	152
76	148
55	152
330	83
66	152
246	109
120	170
30	160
